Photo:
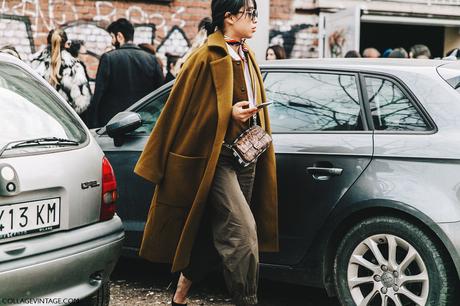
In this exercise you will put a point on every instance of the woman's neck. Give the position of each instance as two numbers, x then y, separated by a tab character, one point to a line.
232	35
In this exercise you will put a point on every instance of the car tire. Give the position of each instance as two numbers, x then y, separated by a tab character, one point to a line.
100	298
383	259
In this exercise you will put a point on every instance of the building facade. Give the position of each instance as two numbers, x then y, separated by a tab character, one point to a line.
170	25
379	23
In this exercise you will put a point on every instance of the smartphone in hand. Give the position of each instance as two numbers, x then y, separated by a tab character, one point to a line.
261	105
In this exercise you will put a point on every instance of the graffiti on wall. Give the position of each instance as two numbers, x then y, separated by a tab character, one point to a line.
49	14
17	31
25	24
300	40
106	11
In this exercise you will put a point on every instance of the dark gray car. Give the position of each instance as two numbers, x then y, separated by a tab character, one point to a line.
368	161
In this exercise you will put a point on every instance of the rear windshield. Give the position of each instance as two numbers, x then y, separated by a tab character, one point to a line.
28	110
451	74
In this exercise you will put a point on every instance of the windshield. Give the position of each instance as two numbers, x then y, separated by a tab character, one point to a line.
30	111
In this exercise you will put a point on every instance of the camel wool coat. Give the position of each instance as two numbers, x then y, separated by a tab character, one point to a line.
181	155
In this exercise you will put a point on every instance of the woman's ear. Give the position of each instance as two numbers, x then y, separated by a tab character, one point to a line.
229	18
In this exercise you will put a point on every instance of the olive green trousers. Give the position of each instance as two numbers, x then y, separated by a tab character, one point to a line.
230	237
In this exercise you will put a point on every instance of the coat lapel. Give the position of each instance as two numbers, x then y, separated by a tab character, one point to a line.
222	72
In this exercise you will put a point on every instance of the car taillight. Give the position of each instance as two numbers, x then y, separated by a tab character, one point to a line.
109	191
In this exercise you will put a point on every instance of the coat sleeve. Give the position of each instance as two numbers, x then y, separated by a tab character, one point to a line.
152	162
103	73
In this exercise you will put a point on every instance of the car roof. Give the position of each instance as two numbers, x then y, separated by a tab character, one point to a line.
355	64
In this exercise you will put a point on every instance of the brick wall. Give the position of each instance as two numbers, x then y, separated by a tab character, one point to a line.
169	26
281	10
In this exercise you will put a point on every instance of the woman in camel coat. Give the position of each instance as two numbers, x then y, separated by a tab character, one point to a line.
185	158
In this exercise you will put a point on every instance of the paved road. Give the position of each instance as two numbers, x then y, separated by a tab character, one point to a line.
138	282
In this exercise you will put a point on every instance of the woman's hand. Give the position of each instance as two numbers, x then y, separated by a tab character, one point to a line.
239	113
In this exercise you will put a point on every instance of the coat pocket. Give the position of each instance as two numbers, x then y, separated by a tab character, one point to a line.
182	178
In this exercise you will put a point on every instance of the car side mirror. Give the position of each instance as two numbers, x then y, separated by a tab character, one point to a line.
121	124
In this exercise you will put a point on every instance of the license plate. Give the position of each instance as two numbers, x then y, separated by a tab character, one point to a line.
29	217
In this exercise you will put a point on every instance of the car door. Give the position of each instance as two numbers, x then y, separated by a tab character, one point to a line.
406	151
135	193
322	145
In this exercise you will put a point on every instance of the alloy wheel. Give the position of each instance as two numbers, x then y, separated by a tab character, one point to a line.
386	270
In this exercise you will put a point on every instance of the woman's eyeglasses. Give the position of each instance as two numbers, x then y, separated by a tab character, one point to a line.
253	14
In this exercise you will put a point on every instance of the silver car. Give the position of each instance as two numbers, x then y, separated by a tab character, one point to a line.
368	169
59	235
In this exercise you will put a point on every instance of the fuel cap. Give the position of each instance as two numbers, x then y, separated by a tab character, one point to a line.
9	181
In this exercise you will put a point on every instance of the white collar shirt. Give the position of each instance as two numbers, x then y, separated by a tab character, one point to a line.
240	56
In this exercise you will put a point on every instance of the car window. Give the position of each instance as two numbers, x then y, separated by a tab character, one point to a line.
305	102
29	110
391	108
150	112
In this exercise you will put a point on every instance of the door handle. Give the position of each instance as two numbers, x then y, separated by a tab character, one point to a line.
321	171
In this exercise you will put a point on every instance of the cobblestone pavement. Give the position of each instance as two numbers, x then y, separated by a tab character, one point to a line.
138	282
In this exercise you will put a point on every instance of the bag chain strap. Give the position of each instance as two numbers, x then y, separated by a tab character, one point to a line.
254	92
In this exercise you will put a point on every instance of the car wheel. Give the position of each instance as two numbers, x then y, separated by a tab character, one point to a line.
99	298
389	261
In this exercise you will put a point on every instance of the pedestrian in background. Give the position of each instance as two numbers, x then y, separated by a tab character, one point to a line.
76	48
387	52
420	51
124	75
352	53
152	50
398	53
64	72
170	64
371	53
205	203
275	52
